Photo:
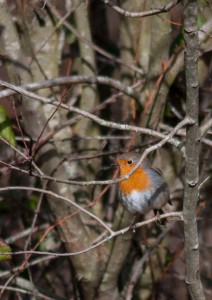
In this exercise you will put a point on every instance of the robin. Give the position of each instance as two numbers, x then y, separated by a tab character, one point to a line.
145	189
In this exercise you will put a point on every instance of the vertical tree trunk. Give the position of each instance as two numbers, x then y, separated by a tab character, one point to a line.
192	151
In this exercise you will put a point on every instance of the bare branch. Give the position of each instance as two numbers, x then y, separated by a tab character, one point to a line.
96	119
204	129
21	154
24	233
28	264
139	265
113	234
203	182
151	12
182	132
95	47
26	292
10	188
168	137
76	80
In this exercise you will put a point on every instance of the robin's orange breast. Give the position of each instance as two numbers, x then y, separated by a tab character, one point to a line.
138	181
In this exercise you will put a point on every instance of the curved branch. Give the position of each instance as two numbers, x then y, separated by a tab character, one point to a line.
151	12
158	145
76	80
178	215
96	119
57	196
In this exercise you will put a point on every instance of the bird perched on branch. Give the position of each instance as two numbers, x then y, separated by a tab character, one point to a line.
145	189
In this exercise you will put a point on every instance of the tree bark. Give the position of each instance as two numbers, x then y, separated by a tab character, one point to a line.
191	194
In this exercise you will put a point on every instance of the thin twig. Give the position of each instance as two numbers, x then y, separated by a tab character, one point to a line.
139	265
96	119
101	182
26	292
92	45
156	146
29	264
204	129
13	188
103	241
12	239
182	132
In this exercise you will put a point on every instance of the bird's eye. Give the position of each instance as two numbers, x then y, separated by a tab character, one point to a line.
129	162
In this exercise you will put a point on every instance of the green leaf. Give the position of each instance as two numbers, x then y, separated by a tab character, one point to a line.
33	201
4	247
6	131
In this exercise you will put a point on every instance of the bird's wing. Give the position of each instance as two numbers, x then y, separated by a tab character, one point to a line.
157	170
